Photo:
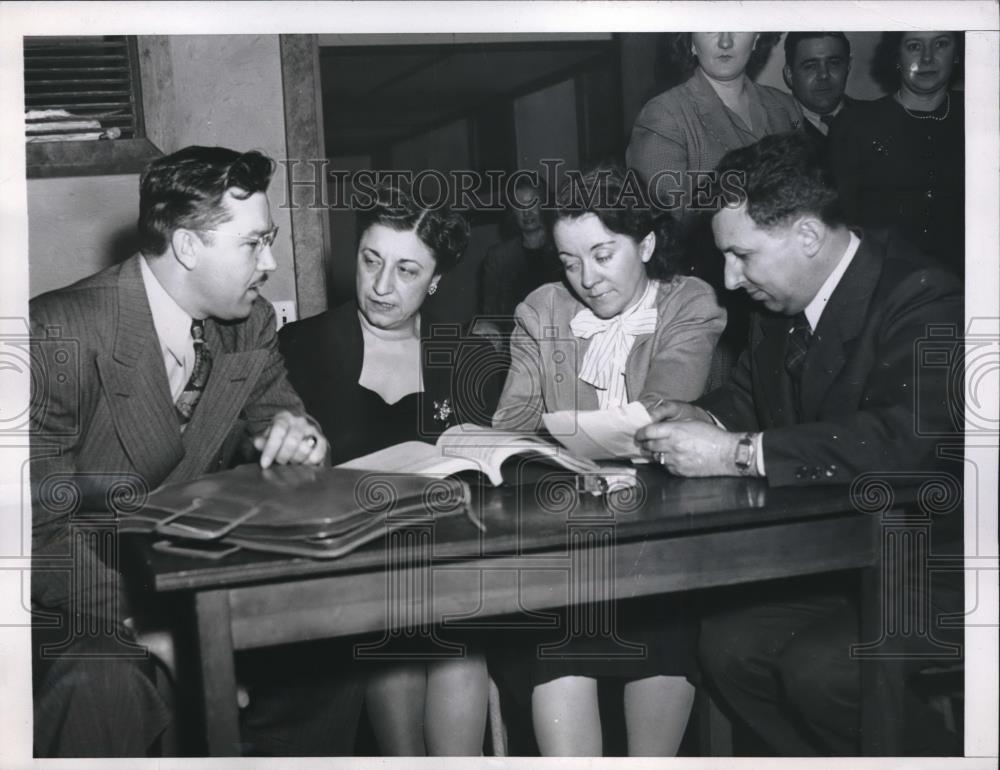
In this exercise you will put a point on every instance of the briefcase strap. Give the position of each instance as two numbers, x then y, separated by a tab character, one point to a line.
173	526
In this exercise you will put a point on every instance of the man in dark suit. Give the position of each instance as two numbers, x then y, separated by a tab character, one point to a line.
827	389
159	369
516	266
816	68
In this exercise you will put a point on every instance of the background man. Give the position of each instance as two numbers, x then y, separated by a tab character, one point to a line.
158	369
516	266
816	68
828	388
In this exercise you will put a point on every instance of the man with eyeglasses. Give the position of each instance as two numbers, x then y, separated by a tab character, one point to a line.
159	369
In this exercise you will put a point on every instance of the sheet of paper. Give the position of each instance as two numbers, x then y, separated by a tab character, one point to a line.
603	434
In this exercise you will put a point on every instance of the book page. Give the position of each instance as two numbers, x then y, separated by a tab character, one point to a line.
493	447
411	457
601	434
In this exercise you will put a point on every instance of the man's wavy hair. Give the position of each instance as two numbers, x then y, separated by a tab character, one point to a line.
676	61
618	198
780	178
443	231
186	190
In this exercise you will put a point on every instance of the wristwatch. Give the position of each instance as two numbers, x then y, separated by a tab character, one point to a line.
745	454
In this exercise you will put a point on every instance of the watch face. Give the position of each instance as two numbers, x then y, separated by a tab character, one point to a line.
744	453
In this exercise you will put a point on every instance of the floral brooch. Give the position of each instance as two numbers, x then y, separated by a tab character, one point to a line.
442	411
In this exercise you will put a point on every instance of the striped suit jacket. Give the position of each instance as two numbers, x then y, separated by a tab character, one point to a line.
104	427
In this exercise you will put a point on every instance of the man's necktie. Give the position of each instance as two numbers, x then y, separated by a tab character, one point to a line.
826	120
795	354
188	399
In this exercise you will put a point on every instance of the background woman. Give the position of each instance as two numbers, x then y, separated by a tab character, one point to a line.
625	328
363	372
687	129
716	109
900	160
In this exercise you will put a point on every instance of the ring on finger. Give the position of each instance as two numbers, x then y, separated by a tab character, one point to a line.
312	441
660	458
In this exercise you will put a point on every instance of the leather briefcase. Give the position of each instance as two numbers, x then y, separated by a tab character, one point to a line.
320	512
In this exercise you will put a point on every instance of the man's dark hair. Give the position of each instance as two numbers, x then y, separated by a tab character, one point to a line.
885	61
792	40
443	231
618	198
186	189
779	178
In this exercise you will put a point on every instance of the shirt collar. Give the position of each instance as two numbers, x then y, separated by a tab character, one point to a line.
172	323
814	117
815	308
646	301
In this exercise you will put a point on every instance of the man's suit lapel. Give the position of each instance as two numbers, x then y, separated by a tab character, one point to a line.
232	378
839	326
135	384
771	381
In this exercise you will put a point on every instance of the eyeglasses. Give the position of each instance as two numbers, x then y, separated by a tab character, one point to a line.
257	244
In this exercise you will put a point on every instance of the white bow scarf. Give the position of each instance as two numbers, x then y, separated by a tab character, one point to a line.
605	359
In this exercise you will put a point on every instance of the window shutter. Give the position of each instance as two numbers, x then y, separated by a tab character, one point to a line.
81	88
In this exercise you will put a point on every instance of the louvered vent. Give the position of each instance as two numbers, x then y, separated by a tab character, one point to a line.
81	88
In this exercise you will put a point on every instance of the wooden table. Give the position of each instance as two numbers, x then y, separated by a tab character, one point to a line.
543	547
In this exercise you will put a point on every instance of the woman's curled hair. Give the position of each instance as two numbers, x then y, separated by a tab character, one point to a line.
443	231
618	198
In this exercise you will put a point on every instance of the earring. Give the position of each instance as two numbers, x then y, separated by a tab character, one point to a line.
432	288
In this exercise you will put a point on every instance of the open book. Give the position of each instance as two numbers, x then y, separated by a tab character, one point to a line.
498	455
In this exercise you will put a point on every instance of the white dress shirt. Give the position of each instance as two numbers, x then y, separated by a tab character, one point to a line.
812	312
816	120
173	330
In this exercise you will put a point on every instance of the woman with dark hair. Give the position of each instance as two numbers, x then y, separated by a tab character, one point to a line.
900	160
364	371
623	327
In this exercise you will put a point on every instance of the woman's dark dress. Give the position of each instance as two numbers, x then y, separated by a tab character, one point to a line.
897	170
325	354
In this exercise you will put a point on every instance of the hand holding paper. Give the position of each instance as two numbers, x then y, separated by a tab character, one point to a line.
601	434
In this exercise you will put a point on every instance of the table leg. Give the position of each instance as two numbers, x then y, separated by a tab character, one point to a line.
218	673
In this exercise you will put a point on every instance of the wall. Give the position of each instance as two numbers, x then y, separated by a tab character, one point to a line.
340	268
443	149
78	226
198	89
545	122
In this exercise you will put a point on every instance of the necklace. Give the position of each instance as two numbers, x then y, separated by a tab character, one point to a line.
929	115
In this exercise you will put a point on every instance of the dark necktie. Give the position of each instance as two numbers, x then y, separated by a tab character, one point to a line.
189	398
795	354
826	120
